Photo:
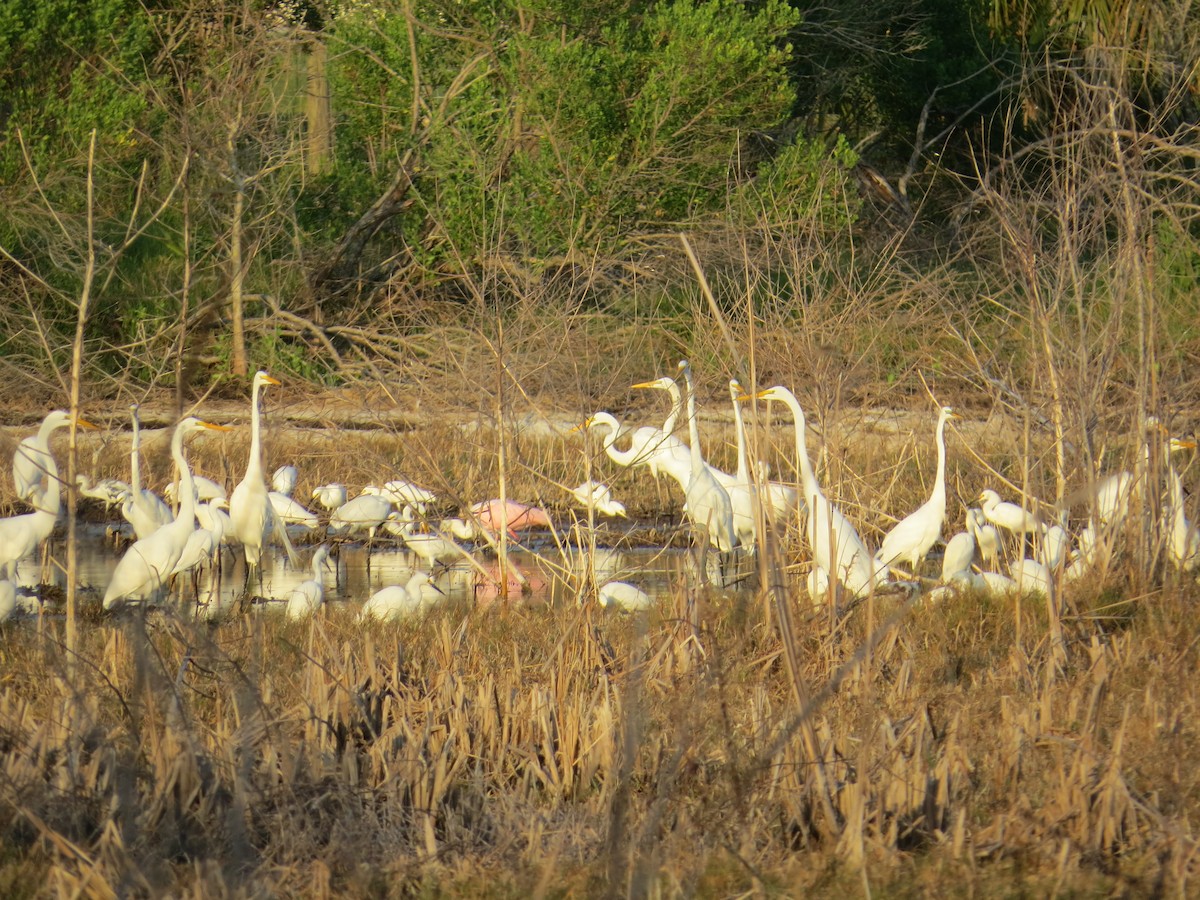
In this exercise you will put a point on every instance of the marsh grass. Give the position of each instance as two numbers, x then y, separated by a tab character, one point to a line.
515	751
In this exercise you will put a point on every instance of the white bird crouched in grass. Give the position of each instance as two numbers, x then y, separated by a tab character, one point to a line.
960	553
623	595
306	597
400	601
147	564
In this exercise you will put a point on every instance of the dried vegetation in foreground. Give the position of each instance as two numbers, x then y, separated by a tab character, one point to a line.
540	751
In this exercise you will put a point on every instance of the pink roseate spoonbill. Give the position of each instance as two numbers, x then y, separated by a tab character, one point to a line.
493	515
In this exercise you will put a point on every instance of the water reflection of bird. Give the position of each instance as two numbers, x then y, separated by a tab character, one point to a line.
517	581
148	563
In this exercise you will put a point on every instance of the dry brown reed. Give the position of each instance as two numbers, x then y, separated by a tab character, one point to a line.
515	750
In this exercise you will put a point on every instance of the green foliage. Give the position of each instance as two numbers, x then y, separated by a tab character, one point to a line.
550	132
67	67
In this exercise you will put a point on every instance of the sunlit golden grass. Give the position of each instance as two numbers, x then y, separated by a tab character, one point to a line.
515	751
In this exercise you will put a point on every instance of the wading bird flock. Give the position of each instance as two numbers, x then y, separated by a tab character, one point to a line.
728	513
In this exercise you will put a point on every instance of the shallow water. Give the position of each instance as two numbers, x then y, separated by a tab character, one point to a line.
351	575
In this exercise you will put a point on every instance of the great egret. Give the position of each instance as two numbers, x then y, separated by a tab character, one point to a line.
644	449
206	489
204	543
250	509
836	546
291	512
306	597
110	491
395	602
659	448
365	512
143	508
1007	515
32	457
1112	494
960	553
149	562
599	497
330	496
404	493
987	538
1055	542
460	528
708	504
1033	577
21	535
213	516
432	547
1183	540
623	595
283	480
916	533
782	499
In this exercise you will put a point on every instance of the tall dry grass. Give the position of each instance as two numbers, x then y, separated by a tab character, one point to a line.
524	751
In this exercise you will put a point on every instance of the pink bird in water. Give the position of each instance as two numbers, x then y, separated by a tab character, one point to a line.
494	515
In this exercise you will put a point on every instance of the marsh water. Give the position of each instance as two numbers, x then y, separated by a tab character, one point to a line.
352	574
